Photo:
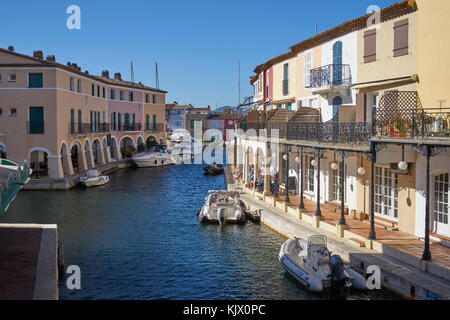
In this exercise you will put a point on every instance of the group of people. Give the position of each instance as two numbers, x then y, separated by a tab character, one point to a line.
259	180
274	181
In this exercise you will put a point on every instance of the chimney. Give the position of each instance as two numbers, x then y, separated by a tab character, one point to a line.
87	72
105	74
69	64
38	54
117	76
51	58
74	65
11	48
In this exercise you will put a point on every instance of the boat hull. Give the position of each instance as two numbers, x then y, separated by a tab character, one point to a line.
94	182
310	282
153	160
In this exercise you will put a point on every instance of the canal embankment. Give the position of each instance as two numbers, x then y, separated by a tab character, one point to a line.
70	182
29	262
400	273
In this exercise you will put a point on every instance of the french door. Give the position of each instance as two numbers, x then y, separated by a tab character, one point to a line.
441	204
386	193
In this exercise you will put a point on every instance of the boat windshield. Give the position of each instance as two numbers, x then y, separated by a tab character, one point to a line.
318	240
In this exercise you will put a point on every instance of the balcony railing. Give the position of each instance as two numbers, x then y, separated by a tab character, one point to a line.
154	127
413	123
330	75
130	127
76	128
331	132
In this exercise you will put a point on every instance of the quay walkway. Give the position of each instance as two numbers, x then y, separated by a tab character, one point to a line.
28	262
397	254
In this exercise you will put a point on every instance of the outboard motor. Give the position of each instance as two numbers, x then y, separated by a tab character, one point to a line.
337	274
221	216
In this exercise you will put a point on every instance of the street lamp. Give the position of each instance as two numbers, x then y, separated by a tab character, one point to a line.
361	170
334	165
402	165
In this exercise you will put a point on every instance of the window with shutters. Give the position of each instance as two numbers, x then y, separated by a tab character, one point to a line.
72	84
370	46
401	38
307	67
35	80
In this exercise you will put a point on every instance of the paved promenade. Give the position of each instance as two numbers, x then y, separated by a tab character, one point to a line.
397	254
28	262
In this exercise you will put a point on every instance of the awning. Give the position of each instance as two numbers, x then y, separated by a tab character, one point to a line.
385	82
285	101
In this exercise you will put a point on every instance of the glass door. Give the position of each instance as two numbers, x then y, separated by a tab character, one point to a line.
386	193
441	203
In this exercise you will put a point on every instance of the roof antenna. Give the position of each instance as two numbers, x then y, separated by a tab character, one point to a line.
157	75
132	72
316	28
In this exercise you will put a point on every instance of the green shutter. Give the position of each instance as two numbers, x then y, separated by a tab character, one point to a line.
36	117
35	80
72	121
154	122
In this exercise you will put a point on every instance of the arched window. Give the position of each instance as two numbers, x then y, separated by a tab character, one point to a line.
72	121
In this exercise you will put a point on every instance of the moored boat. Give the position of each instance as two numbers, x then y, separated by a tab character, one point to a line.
311	264
157	157
214	169
93	179
222	207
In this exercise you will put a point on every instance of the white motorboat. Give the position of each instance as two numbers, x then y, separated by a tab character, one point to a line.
310	263
222	207
93	179
157	157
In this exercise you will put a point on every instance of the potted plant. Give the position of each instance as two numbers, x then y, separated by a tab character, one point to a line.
398	126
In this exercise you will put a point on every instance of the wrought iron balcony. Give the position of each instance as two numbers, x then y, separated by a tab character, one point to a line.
154	127
331	132
413	123
77	128
330	75
130	127
275	130
251	128
400	114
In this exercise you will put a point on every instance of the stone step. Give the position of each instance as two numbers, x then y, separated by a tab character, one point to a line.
357	243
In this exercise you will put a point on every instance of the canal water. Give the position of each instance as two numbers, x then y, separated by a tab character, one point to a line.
139	238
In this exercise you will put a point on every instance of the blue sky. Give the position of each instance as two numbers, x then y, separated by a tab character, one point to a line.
196	43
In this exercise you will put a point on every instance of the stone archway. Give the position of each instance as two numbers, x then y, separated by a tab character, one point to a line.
150	142
127	148
39	163
114	151
75	154
140	144
97	152
66	159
